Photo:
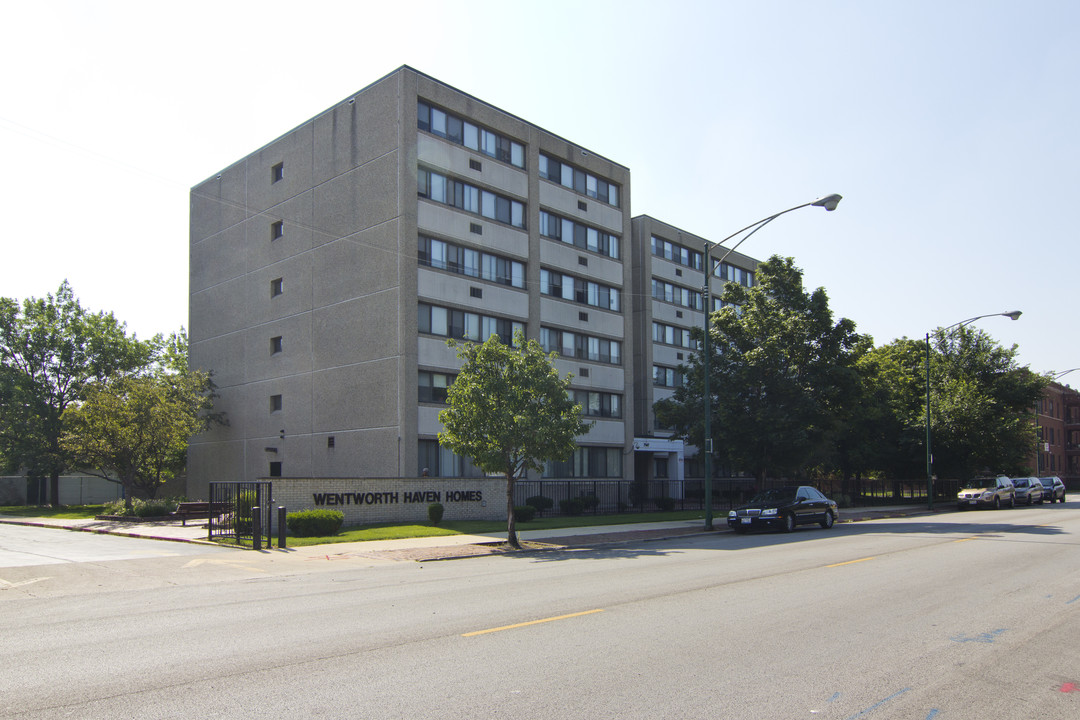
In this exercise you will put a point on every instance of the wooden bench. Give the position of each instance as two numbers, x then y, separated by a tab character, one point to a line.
198	510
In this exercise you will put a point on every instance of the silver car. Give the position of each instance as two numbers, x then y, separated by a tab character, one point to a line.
1028	490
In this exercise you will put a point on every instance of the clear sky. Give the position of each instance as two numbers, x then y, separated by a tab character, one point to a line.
949	126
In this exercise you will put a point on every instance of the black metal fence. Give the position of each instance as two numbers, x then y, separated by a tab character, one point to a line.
608	497
233	514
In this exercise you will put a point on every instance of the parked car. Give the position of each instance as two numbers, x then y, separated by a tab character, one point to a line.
784	508
1028	490
1053	489
987	491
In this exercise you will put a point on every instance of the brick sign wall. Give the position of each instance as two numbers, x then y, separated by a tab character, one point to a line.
406	500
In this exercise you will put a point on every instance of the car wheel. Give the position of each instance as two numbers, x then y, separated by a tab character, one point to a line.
1012	501
828	520
1063	499
1029	501
997	503
789	522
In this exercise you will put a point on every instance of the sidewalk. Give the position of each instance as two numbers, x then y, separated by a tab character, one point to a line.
448	546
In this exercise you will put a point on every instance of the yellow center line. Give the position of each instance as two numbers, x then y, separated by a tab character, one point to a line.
531	622
851	562
966	539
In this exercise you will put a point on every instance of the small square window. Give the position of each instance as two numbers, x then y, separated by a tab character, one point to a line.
275	345
277	173
275	403
277	230
583	372
582	205
476	228
475	165
476	292
583	316
275	469
330	442
583	261
277	287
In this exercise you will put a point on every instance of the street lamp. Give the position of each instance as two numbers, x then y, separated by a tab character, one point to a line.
1055	376
1015	314
829	202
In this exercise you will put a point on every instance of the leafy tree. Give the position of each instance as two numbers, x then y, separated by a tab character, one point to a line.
982	403
50	349
781	371
510	412
136	427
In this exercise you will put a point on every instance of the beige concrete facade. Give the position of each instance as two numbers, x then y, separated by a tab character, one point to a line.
306	283
669	267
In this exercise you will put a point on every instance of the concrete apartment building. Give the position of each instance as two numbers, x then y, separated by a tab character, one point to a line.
329	267
670	270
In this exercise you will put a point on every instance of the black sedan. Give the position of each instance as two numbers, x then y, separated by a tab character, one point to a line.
784	508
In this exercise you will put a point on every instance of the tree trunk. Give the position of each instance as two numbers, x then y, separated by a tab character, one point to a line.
511	530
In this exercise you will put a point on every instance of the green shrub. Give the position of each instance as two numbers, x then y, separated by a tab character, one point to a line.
140	508
590	501
572	506
665	504
314	523
540	502
435	513
524	513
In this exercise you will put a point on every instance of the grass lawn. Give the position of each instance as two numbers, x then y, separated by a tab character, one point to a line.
480	527
68	512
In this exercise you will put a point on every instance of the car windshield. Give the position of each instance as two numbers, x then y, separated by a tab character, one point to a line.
778	495
1048	482
980	483
1021	483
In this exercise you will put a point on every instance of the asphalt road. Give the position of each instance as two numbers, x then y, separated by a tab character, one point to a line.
966	615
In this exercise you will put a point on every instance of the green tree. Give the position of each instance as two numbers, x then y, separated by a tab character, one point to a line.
510	412
982	405
135	427
781	371
50	349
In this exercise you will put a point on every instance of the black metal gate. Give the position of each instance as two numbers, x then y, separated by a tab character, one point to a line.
241	510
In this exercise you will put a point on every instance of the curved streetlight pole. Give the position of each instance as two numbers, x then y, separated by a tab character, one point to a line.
1013	315
829	202
1056	375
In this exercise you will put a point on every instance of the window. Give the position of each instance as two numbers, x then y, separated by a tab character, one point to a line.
676	294
579	346
277	230
436	461
598	404
666	377
472	263
462	325
277	173
275	345
275	469
275	403
592	462
463	132
671	335
676	253
579	181
433	385
735	274
585	292
582	236
439	188
277	287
